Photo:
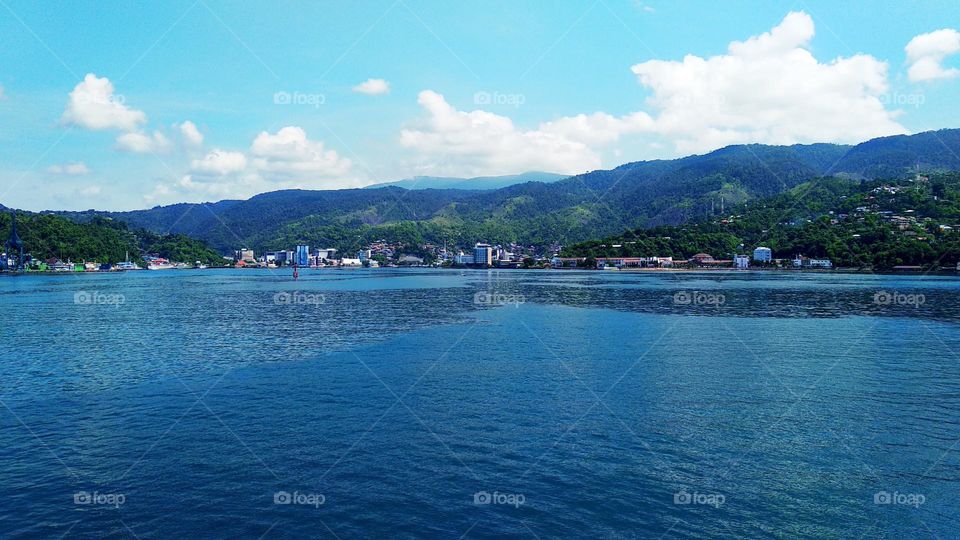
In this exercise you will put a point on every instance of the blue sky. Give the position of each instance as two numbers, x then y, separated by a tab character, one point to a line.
458	88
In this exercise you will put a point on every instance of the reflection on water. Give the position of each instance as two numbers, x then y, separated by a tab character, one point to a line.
617	405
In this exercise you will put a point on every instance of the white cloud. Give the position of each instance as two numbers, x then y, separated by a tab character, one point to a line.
142	143
76	168
94	105
220	162
190	134
479	142
599	127
290	154
373	87
768	89
926	53
90	191
287	159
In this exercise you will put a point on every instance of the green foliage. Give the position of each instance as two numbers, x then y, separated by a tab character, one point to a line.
100	239
846	221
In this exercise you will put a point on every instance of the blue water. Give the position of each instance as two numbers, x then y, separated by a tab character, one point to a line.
586	404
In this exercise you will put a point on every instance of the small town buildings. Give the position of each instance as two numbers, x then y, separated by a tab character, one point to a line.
741	262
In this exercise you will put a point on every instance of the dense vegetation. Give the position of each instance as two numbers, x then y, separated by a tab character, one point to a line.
851	222
100	239
593	205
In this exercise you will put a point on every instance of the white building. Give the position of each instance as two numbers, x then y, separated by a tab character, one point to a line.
763	254
741	262
463	259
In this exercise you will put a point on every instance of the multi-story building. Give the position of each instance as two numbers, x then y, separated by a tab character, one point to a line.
763	254
483	254
302	256
245	255
741	262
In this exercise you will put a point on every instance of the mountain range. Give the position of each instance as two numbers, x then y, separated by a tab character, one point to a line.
592	205
477	183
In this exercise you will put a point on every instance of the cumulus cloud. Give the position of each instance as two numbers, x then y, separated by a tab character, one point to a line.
287	159
143	143
290	154
93	105
75	168
220	162
90	191
372	87
926	53
451	141
191	135
768	89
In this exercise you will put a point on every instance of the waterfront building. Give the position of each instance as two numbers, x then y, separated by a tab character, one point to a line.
245	255
302	256
483	254
805	262
463	259
741	262
763	254
325	253
410	260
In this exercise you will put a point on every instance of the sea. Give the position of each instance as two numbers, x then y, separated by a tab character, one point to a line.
419	403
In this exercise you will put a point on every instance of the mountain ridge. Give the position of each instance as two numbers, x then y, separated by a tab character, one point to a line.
581	207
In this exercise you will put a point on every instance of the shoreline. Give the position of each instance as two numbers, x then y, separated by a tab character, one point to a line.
856	271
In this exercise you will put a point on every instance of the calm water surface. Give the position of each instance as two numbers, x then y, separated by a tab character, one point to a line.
446	404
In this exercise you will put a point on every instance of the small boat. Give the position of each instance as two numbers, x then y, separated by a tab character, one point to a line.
160	264
127	265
